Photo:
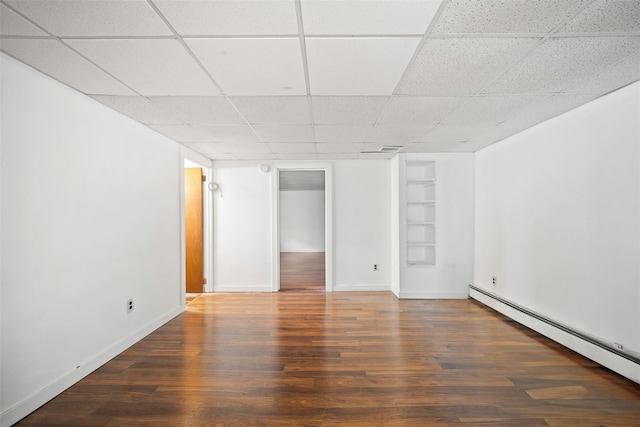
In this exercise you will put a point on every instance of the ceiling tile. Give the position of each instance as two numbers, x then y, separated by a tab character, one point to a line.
138	108
253	66
12	24
205	147
219	156
461	66
491	110
345	147
343	133
399	134
279	110
296	156
347	110
242	134
295	134
94	18
239	148
337	156
367	18
279	148
231	17
181	133
203	110
504	16
151	67
455	132
434	147
357	66
259	156
611	78
551	107
560	63
58	61
419	110
607	16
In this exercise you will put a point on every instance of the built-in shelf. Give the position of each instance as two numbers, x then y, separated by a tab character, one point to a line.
420	221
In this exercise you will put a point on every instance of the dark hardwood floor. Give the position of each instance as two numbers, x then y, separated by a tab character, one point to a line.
350	359
302	272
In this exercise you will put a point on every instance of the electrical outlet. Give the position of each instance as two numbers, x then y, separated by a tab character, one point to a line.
129	305
494	280
618	346
375	267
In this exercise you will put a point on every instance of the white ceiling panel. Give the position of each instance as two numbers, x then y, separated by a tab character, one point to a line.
240	148
242	134
560	63
551	107
434	147
607	16
399	134
258	156
203	110
343	134
347	147
253	66
231	17
357	66
296	156
12	24
304	147
138	108
284	110
611	78
461	66
349	17
296	134
205	147
455	132
58	61
151	67
347	110
337	156
181	133
419	110
94	18
504	16
491	110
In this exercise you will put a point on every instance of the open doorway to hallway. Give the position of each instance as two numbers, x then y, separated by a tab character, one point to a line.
302	230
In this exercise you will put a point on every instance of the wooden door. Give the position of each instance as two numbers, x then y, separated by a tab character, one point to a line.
193	229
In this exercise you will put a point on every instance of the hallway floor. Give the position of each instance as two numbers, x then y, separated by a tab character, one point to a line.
344	358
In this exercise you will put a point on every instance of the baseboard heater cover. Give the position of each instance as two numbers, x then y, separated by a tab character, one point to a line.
559	326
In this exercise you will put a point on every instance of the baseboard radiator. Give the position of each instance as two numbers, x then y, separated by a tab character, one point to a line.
623	362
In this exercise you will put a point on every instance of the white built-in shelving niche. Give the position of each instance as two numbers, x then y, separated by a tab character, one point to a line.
421	213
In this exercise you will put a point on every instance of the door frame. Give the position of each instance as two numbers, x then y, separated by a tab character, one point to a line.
328	220
198	160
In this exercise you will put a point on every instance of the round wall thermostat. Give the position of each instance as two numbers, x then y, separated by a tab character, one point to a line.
265	168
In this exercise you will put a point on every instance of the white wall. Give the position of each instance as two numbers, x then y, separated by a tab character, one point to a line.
90	218
302	221
244	240
362	225
557	218
453	271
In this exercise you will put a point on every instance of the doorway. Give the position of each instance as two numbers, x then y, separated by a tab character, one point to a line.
302	232
196	223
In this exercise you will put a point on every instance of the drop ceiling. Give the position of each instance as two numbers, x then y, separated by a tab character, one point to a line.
315	79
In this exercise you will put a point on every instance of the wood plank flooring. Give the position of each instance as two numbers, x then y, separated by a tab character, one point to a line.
349	359
302	272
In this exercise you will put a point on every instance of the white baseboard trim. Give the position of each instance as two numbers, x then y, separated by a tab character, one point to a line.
360	288
20	410
432	295
603	356
242	288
